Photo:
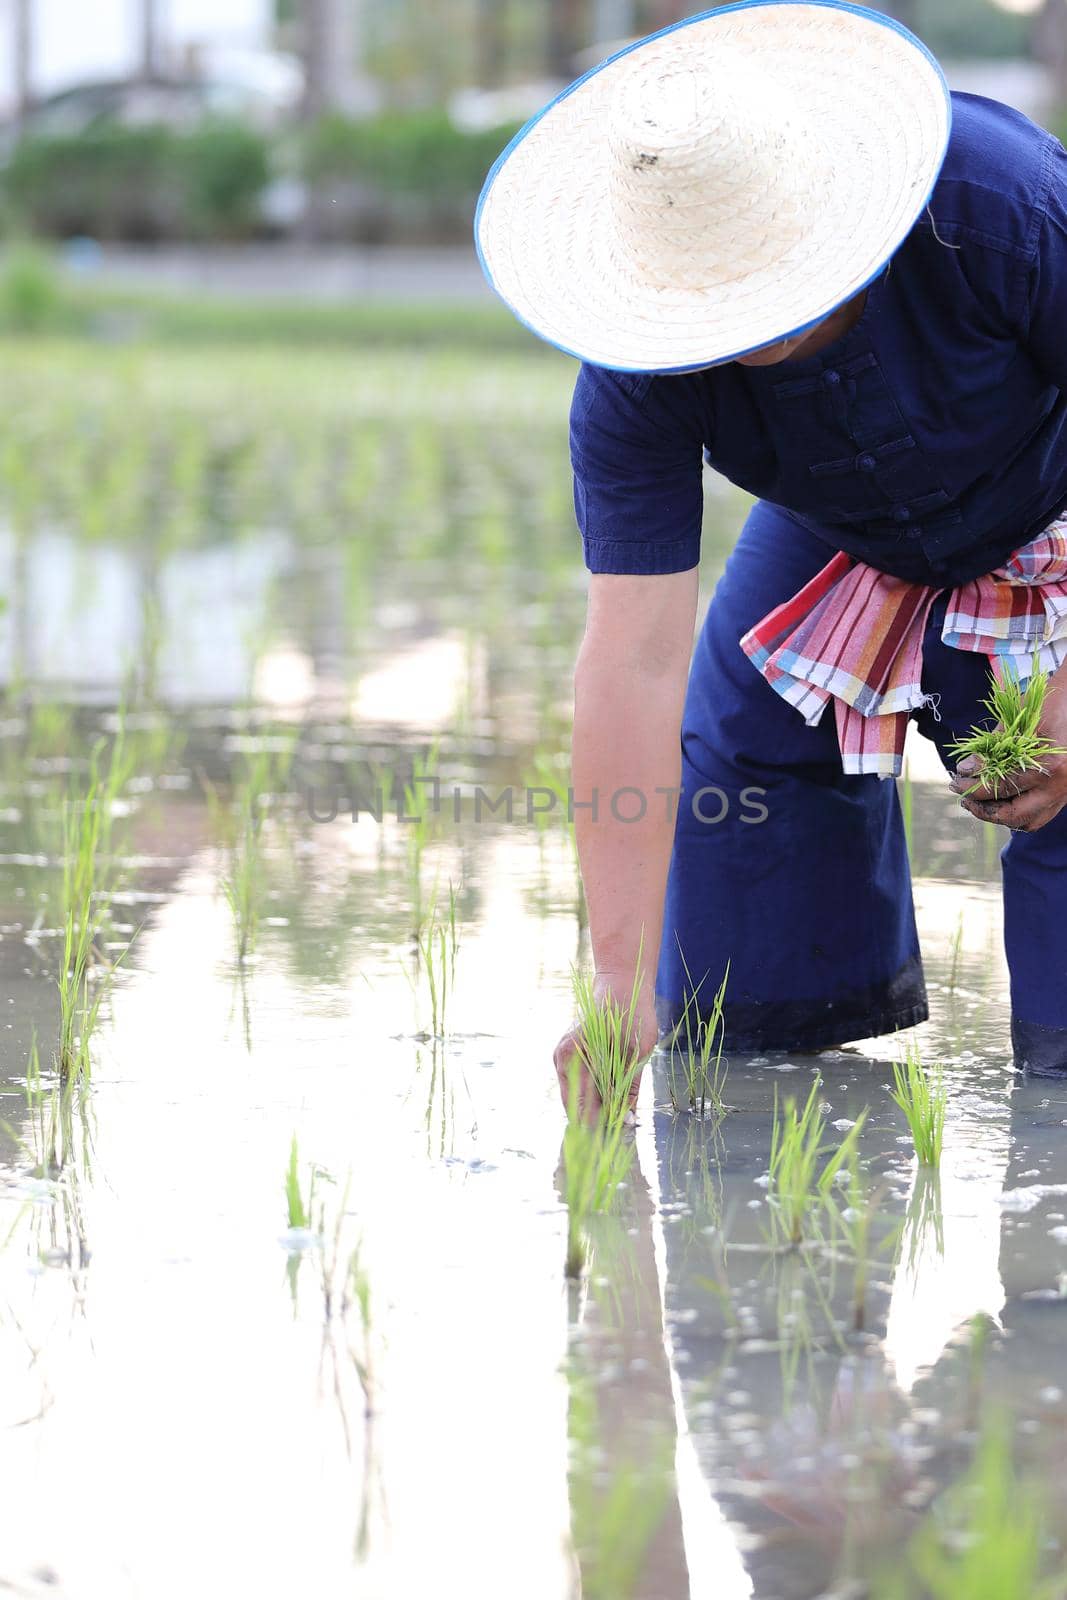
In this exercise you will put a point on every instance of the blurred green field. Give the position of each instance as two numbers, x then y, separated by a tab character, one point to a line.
38	301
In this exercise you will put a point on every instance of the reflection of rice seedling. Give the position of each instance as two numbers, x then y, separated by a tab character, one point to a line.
800	1180
617	1500
597	1156
357	1297
799	1340
957	944
923	1227
923	1097
704	1070
856	1220
607	1040
695	1169
987	1538
51	1125
1014	745
348	1293
43	1106
241	830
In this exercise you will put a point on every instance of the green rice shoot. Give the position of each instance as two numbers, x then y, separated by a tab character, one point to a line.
1014	745
922	1095
437	945
606	1031
699	1086
299	1210
88	876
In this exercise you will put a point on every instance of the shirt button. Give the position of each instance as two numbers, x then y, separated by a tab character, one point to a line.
831	377
901	514
866	463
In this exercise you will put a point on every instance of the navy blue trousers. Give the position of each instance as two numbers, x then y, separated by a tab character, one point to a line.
798	875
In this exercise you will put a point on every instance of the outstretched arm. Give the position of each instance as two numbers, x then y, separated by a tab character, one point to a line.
629	687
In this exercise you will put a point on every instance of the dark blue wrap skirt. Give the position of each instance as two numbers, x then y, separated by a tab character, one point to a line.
797	875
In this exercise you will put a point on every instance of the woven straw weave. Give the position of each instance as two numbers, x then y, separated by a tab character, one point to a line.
718	187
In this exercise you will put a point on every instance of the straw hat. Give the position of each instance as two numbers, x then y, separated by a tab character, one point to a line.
719	186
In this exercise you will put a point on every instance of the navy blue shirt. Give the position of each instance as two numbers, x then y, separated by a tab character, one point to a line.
930	440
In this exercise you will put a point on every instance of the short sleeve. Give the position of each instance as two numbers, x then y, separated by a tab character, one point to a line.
636	450
1045	309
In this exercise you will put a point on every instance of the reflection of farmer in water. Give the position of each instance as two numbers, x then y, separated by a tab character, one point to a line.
776	241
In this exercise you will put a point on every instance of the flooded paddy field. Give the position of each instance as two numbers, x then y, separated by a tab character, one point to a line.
283	1221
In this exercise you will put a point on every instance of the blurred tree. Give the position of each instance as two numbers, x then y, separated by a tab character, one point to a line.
963	30
568	31
613	20
329	44
490	41
905	11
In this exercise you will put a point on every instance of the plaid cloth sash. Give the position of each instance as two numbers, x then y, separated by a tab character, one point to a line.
854	635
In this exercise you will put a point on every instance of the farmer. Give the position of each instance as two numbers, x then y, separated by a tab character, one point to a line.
778	244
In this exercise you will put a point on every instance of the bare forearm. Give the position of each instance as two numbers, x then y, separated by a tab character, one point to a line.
626	755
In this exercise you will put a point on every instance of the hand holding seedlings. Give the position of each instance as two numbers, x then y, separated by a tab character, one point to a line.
613	1034
1015	773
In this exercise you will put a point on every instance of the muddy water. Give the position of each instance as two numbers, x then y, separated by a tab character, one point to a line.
195	1399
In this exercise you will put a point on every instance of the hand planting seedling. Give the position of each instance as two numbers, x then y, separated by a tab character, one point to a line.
606	1040
1015	745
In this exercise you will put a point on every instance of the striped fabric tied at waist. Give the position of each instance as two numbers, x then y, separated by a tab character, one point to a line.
854	635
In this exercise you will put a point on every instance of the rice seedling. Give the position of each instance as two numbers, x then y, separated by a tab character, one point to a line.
987	1538
298	1208
802	1169
437	946
922	1095
606	1036
1014	745
240	884
418	796
699	1086
79	1005
87	829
